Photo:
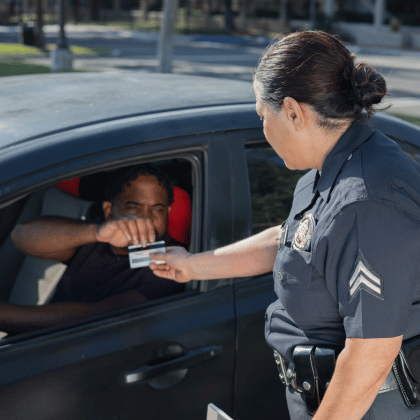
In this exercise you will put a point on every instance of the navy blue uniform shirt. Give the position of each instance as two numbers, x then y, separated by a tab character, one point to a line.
356	275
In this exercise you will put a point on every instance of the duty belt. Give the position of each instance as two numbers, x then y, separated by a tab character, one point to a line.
311	372
287	373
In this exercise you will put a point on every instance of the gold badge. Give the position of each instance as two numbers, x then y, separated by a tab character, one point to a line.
302	237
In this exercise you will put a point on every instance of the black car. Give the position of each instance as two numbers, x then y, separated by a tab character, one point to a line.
168	358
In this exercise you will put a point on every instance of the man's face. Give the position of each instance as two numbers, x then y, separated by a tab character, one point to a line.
144	197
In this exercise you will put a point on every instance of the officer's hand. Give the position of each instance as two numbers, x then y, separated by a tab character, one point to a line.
126	230
176	265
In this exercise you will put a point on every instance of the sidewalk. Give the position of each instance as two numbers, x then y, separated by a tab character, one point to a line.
110	32
218	41
241	61
180	39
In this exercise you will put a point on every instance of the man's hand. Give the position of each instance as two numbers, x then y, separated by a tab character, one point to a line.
175	267
126	230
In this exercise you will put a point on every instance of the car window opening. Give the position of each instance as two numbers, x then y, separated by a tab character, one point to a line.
31	280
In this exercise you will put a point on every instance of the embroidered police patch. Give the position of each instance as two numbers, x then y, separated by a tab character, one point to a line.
302	237
364	277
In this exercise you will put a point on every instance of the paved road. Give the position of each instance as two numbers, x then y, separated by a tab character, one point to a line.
222	57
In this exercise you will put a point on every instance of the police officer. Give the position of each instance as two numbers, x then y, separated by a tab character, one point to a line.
346	260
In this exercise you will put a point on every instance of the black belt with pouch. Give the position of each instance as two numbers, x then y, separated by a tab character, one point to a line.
313	367
310	373
406	368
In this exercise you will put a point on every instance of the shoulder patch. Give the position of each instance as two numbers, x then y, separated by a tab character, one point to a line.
364	277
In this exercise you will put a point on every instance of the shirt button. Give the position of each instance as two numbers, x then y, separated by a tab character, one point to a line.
350	156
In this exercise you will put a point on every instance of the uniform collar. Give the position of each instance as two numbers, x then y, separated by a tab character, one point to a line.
305	196
322	183
356	135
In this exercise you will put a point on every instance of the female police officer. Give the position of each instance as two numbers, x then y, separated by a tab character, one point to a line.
346	260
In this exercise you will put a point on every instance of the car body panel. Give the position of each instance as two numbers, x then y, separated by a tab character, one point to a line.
42	104
109	142
258	388
80	373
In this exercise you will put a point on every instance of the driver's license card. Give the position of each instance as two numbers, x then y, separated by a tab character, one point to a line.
140	257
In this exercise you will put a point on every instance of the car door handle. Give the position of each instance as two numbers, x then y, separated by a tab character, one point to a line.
194	357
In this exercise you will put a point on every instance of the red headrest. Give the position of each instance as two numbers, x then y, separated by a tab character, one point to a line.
71	186
179	221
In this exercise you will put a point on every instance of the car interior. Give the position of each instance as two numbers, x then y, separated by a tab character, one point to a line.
32	281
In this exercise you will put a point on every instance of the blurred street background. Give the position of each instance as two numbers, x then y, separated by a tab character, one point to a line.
222	38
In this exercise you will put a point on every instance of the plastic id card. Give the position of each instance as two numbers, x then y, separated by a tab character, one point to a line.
140	257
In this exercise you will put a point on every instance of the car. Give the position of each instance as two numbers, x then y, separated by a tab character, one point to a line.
171	357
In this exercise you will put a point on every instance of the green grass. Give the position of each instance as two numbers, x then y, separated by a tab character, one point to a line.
409	118
12	67
18	49
18	67
7	50
79	50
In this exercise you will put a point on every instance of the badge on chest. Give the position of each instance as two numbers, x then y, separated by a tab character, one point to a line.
302	237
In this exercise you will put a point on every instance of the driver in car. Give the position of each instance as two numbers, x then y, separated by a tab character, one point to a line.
98	277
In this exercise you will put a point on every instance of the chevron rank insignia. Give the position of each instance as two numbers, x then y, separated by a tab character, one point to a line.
364	277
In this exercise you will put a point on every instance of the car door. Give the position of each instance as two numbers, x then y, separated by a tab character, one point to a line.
162	360
270	186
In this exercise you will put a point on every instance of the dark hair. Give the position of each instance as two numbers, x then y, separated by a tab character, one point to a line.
316	68
122	177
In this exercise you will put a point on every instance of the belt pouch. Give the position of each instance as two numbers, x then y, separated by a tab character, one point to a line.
325	359
406	368
314	369
303	359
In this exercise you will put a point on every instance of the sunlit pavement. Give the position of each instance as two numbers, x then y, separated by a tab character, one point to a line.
220	56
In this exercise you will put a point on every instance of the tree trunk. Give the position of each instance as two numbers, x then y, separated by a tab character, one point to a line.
329	8
144	7
11	9
206	13
229	26
76	11
39	24
378	18
284	17
166	36
94	10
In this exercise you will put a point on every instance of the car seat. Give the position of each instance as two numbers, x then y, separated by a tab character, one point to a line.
38	278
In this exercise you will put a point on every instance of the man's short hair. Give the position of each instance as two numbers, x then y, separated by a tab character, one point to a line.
122	177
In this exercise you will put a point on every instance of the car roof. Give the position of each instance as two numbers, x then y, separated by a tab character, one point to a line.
56	125
43	104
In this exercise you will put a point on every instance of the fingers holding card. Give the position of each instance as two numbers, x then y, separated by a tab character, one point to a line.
139	256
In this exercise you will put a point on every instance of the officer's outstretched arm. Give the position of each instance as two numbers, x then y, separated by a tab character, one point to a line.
361	369
249	257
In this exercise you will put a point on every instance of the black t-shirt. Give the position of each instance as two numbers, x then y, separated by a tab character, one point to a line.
95	273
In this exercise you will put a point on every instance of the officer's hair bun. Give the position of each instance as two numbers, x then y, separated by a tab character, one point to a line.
369	86
364	85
